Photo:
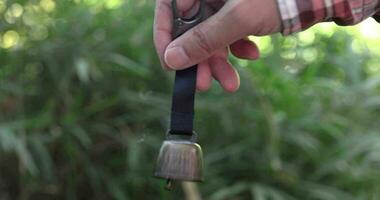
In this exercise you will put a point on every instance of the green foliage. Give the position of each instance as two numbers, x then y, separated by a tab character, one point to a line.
84	107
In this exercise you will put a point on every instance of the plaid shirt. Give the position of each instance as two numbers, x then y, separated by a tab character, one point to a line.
299	15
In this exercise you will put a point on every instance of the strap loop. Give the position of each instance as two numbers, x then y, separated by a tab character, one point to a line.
182	112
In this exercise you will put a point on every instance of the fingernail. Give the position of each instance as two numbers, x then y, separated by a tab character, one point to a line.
176	58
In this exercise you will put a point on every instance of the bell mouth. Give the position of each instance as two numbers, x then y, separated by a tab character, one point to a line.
176	177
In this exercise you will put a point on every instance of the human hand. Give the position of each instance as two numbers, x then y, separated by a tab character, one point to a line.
208	44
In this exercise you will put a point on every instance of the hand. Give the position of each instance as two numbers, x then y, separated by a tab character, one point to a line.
208	44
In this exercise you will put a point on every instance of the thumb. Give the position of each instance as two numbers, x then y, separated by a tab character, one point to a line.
199	43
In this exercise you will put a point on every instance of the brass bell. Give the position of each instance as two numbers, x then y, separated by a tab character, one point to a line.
180	159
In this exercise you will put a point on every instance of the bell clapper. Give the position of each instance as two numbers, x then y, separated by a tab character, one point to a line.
169	185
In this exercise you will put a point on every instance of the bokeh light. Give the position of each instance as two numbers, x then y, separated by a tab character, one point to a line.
9	39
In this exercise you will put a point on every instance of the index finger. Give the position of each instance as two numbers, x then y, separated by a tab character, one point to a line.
162	28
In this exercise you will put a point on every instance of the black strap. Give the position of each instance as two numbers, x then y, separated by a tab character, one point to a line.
182	115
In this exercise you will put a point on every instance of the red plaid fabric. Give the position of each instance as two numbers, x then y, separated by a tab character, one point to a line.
299	15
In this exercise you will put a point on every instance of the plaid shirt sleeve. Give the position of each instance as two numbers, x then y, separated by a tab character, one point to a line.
299	15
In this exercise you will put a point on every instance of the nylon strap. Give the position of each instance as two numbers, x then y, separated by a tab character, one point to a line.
182	113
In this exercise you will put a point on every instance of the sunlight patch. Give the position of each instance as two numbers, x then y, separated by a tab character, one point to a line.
370	29
9	39
47	5
113	4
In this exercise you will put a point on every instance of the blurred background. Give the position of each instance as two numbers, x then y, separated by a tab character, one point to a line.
84	106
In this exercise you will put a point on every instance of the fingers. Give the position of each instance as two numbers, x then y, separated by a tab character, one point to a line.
245	49
224	72
203	76
199	43
163	23
162	28
184	5
187	7
221	70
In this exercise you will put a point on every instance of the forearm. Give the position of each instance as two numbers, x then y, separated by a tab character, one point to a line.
299	15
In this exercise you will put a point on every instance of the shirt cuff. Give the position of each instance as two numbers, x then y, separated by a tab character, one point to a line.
298	15
289	16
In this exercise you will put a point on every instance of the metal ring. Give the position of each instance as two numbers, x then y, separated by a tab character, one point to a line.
181	25
193	137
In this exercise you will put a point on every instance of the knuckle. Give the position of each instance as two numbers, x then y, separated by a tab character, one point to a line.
202	41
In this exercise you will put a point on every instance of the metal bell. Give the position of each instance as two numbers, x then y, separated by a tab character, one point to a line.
180	159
